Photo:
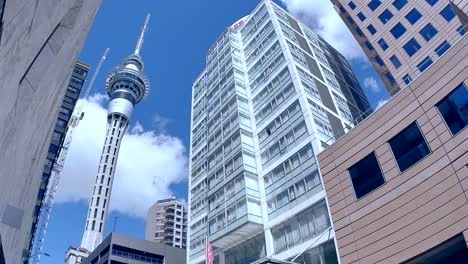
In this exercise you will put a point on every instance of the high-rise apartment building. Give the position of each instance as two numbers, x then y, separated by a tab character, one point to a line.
73	90
402	38
273	95
39	45
397	184
166	223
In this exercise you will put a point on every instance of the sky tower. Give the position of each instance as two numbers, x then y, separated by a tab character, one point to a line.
126	86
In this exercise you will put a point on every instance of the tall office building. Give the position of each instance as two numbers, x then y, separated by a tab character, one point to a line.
72	94
126	86
402	38
166	223
273	95
39	45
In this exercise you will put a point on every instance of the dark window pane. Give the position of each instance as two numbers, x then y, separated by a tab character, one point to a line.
374	4
428	32
385	16
369	46
361	16
390	78
411	47
461	30
399	4
407	79
454	109
413	16
366	175
398	30
379	60
424	64
371	29
447	13
432	2
342	10
383	44
409	147
359	32
352	5
442	48
351	21
396	62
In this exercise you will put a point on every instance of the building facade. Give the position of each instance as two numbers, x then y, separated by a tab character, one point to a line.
397	184
402	38
39	45
166	223
72	94
272	95
119	249
76	255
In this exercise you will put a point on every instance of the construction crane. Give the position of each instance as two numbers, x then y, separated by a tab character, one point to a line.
57	168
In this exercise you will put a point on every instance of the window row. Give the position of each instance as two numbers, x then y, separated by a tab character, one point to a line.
279	121
289	165
280	98
284	142
308	224
409	146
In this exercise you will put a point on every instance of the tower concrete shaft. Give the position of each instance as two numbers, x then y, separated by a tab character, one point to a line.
126	85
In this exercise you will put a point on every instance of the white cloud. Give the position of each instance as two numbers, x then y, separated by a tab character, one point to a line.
322	18
381	103
148	164
371	83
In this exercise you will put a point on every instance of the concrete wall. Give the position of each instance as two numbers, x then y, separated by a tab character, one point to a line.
419	208
39	46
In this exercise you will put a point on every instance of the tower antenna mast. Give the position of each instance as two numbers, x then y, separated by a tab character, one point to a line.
142	35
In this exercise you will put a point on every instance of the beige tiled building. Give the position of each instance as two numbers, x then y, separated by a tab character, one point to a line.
167	223
397	184
404	37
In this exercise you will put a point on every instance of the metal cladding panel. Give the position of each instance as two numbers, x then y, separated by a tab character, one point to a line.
313	67
336	125
325	96
303	43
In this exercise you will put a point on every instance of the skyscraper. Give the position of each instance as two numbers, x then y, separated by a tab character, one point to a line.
166	223
127	86
273	95
38	53
403	38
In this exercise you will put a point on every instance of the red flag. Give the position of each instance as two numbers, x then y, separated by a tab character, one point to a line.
209	253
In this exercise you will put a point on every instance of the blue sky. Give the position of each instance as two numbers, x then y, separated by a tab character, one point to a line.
174	50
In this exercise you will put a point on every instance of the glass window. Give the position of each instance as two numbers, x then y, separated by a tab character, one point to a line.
399	4
461	30
361	16
374	4
396	62
398	30
413	16
409	147
385	16
371	29
379	60
407	79
56	136
342	10
352	5
383	44
369	46
359	32
72	90
424	64
454	109
390	78
443	48
411	47
447	13
432	2
351	21
366	175
428	32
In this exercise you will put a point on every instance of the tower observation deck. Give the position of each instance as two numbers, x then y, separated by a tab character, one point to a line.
126	86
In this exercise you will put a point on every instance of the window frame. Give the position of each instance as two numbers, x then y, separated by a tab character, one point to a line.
413	16
446	11
381	173
385	16
417	162
465	86
399	4
412	41
428	32
401	30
